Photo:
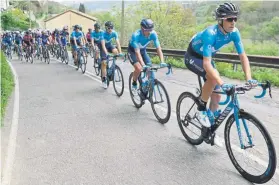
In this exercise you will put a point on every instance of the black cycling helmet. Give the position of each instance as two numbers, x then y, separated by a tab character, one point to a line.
76	26
97	26
147	24
226	10
109	24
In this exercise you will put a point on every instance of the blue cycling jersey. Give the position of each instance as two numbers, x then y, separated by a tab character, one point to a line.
209	41
109	36
18	38
97	36
138	40
44	39
76	34
64	36
8	39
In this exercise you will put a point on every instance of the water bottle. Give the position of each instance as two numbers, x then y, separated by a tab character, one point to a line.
210	116
144	84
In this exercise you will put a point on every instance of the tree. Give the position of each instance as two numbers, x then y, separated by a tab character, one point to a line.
15	19
81	8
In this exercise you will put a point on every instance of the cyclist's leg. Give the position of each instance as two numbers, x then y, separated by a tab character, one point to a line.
215	98
112	49
103	64
195	65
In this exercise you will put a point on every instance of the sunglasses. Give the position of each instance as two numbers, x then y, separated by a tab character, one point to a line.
109	28
231	19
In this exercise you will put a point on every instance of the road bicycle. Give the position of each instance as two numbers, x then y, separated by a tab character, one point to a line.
152	90
239	118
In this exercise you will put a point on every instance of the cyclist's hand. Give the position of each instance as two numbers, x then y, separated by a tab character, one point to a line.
226	87
163	64
121	54
252	82
108	56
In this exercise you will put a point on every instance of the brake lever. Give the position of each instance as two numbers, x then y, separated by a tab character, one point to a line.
169	70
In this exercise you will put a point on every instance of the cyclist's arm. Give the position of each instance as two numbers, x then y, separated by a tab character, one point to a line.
242	55
118	46
160	54
158	46
245	65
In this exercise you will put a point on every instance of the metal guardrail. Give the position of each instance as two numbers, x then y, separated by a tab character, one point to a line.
255	60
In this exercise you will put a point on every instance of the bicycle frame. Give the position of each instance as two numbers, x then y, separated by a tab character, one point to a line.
233	105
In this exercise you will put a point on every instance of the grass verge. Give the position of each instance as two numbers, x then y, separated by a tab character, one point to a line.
7	84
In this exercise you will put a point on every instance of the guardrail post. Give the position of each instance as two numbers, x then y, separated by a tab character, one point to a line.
234	67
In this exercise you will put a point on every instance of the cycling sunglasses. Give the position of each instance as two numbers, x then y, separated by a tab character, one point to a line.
231	19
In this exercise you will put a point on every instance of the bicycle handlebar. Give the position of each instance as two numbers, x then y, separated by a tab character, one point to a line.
155	68
243	88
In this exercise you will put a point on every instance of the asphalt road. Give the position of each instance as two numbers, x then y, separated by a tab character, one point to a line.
72	131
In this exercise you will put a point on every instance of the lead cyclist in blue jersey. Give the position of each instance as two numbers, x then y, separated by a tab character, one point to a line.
137	49
205	44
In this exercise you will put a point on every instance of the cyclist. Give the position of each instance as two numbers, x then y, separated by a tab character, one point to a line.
108	35
204	45
64	35
88	35
28	41
18	41
7	40
137	49
76	39
98	37
45	41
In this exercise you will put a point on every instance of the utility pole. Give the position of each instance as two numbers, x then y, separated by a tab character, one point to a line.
30	14
122	24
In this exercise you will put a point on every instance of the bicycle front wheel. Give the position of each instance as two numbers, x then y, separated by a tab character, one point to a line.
118	81
82	64
138	102
159	95
97	67
267	162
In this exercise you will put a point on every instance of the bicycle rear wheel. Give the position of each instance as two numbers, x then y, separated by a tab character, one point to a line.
269	164
118	77
189	123
155	99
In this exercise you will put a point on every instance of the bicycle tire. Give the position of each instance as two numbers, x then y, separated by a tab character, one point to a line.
31	59
66	57
91	52
48	57
96	67
82	64
167	117
117	68
269	172
182	96
137	105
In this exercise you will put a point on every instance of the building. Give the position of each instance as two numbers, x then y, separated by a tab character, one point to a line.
70	18
4	4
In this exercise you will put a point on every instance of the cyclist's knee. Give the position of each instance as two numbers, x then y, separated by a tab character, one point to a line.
137	67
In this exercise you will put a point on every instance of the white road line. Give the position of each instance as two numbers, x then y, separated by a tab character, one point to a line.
173	114
8	168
